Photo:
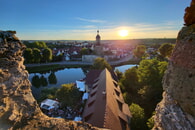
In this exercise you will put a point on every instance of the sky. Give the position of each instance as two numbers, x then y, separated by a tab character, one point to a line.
80	19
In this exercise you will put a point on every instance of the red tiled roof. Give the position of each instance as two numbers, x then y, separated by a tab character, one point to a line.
105	107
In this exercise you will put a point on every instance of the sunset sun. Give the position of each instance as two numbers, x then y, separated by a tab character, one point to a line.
123	33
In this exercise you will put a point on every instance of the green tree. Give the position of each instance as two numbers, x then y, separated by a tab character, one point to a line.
84	51
150	73
28	55
130	80
130	86
52	78
36	55
139	51
150	122
42	44
48	93
100	64
68	95
166	49
138	117
119	74
47	55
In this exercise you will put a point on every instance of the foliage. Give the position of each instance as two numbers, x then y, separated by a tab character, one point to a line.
130	81
68	95
150	122
166	49
119	74
148	72
57	58
138	117
143	84
85	51
100	64
48	93
37	44
47	55
28	55
36	55
43	68
139	51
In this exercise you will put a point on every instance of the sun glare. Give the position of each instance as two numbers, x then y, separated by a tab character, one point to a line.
123	33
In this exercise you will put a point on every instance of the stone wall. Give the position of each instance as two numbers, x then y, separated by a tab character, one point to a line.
177	109
18	108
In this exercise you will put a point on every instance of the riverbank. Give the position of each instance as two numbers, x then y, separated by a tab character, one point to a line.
46	68
34	68
69	64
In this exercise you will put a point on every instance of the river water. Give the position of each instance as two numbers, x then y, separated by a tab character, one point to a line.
56	78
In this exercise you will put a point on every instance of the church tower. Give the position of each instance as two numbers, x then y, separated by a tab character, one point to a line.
98	38
98	48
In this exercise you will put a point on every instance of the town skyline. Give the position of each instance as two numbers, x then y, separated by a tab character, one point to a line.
80	20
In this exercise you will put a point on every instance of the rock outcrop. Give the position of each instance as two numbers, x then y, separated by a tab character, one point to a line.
18	108
189	17
177	109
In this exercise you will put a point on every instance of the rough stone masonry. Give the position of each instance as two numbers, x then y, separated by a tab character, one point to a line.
176	111
18	108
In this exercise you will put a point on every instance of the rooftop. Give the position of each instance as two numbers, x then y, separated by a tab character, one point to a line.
105	107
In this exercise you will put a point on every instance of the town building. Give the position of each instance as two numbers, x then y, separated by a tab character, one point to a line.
105	107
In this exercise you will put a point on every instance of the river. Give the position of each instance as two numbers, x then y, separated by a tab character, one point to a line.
56	78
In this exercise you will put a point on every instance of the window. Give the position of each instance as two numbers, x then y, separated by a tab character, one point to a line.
90	104
94	86
120	105
117	93
115	84
123	124
87	118
93	94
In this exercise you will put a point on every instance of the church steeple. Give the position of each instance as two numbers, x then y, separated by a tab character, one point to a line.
98	38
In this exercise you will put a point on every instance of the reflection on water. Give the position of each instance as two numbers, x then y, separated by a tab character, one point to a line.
58	77
123	68
54	79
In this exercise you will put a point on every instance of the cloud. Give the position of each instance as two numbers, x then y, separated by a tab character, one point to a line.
168	29
91	20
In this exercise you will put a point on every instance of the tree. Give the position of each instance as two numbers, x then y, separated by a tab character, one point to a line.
48	93
139	51
84	51
150	122
47	55
150	73
119	74
28	55
130	81
36	55
100	64
166	49
42	44
68	95
138	117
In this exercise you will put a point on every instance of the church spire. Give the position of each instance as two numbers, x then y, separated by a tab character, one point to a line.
98	38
